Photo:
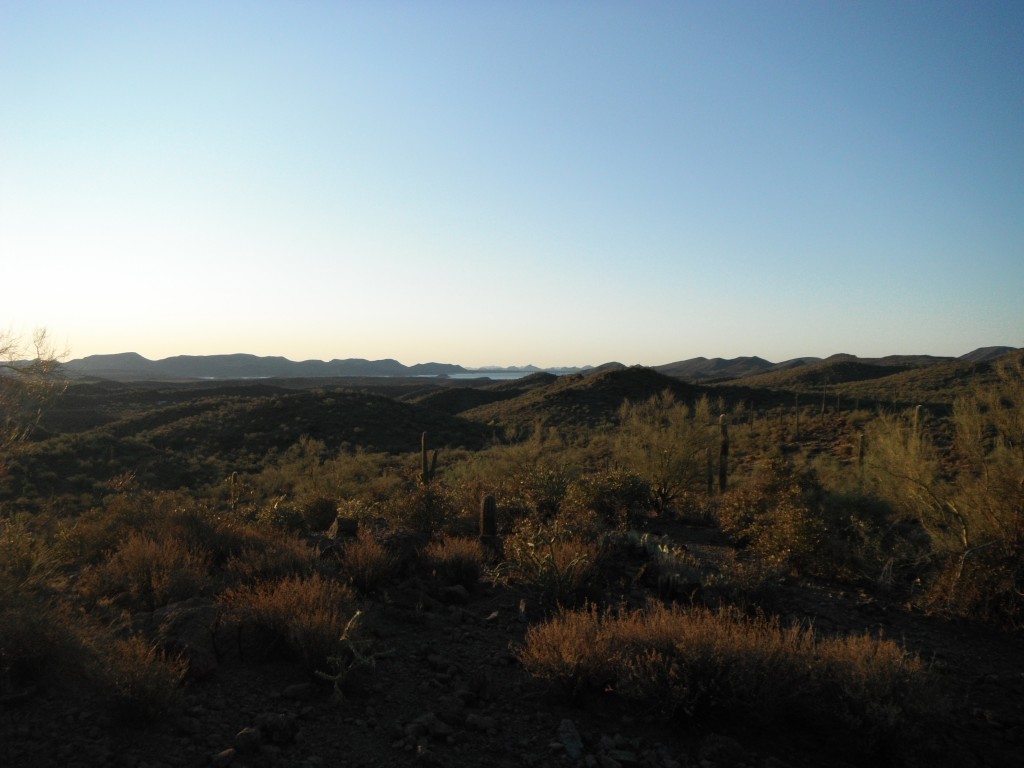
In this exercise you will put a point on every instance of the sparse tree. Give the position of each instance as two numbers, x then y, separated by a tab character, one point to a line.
666	443
30	377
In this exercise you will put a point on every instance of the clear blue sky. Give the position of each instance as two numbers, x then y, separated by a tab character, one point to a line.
557	183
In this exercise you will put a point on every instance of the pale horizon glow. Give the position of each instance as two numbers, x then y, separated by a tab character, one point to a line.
557	184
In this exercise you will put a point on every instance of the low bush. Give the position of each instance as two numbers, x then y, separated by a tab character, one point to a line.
550	558
702	663
151	572
618	498
302	618
777	518
367	562
144	683
457	560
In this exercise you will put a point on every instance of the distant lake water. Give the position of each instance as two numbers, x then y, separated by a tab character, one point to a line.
496	375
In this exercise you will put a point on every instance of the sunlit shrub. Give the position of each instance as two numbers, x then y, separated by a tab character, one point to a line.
318	512
367	562
425	508
702	663
619	498
458	560
301	617
665	443
144	682
776	517
551	559
151	572
263	558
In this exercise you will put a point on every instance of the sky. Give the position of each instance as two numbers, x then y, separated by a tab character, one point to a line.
552	183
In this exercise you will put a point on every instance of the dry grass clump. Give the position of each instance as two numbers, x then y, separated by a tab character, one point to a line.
703	663
301	617
262	557
44	642
143	681
367	562
457	559
151	572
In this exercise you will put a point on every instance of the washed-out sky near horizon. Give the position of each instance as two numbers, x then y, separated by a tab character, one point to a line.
556	183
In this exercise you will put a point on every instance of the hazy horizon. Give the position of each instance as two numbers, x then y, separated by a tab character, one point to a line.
555	184
502	366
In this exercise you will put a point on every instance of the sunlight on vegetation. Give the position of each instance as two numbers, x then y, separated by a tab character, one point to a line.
635	574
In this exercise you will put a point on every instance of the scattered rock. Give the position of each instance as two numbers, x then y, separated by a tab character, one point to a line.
570	739
248	740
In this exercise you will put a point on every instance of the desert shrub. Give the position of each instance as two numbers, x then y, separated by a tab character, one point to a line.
427	509
550	558
318	512
618	497
150	572
142	681
665	443
673	570
968	498
302	617
259	558
367	562
543	488
27	561
281	515
88	537
776	517
702	663
36	642
458	560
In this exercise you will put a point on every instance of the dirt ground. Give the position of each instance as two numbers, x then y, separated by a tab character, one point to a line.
447	690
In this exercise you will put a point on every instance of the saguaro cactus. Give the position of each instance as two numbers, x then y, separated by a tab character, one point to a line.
711	471
427	468
489	528
488	517
723	453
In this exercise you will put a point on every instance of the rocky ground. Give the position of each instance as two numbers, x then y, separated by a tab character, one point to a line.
446	690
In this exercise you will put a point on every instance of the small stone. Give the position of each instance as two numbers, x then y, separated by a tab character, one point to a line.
248	740
224	758
569	737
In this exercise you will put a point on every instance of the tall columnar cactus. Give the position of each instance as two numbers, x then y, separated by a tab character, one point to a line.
861	448
427	468
711	472
492	543
723	453
488	517
796	408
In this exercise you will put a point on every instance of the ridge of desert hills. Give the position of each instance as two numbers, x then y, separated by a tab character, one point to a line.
131	366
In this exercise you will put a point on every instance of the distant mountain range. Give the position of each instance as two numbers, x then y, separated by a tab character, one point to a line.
130	366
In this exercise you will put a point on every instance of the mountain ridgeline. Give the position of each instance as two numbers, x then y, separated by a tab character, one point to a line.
130	366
